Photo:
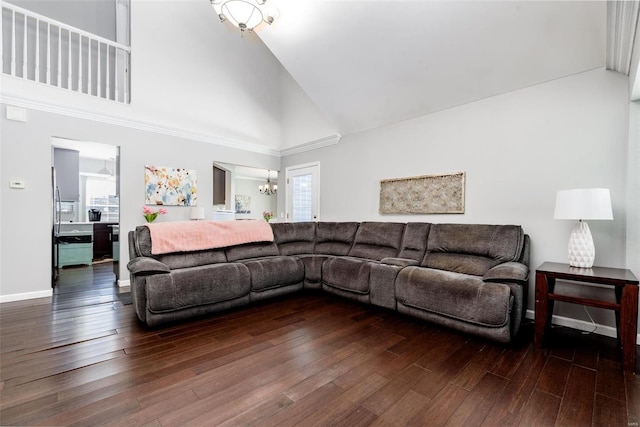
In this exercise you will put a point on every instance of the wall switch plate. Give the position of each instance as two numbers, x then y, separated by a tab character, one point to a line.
16	183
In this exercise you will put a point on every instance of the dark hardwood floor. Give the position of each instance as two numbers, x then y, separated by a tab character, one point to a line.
82	358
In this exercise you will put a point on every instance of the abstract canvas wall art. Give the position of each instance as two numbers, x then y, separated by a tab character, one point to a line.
243	204
170	186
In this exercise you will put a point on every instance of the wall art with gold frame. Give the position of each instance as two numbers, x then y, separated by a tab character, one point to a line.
426	194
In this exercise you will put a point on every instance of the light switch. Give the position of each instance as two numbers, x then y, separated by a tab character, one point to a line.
16	183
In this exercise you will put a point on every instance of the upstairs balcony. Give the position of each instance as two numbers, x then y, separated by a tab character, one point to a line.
46	51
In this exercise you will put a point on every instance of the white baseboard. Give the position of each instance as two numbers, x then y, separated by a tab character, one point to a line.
25	296
124	283
581	325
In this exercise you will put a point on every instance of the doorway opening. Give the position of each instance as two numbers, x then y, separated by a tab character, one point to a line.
85	217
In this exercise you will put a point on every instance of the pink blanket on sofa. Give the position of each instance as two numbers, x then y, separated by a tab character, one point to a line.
184	236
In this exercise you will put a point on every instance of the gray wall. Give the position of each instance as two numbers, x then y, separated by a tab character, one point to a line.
25	153
517	149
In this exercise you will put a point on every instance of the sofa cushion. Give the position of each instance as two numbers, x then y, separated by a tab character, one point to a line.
313	266
414	241
459	296
472	249
192	259
509	272
251	250
335	238
294	238
377	240
274	272
351	274
144	266
142	240
196	286
178	259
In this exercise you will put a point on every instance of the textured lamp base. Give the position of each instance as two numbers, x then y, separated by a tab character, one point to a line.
582	252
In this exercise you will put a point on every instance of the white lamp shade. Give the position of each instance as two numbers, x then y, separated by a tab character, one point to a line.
196	213
588	203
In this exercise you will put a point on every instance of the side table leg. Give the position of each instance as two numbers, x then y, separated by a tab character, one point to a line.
618	290
544	308
629	326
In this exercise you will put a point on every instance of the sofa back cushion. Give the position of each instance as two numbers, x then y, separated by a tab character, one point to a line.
251	250
294	238
142	245
472	248
335	238
414	241
377	240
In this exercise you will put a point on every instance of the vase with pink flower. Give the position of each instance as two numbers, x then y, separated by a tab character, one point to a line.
150	215
268	216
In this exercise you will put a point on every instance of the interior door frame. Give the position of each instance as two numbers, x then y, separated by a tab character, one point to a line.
314	167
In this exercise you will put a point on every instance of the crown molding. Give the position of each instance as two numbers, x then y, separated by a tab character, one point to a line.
312	145
134	124
622	19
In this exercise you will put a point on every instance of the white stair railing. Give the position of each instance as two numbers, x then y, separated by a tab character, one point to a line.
44	50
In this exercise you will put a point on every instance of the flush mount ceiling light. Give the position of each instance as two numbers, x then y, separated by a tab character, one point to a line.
244	14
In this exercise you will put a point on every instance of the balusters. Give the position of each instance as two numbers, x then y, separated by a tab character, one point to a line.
115	75
59	56
70	65
126	77
89	88
24	49
99	71
56	65
48	53
108	68
13	43
79	63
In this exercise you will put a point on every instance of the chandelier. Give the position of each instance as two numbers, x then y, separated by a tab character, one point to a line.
244	14
268	189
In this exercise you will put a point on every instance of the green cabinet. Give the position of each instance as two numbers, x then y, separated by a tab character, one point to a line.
75	254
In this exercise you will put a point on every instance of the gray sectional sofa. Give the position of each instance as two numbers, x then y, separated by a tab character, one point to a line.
468	277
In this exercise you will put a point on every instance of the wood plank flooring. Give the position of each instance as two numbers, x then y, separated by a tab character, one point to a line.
312	359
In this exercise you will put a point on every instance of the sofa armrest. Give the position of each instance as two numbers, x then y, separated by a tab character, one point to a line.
144	266
400	262
512	272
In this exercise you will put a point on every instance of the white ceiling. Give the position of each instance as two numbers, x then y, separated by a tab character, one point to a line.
369	63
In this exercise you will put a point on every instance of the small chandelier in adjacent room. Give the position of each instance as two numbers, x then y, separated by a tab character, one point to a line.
244	14
268	189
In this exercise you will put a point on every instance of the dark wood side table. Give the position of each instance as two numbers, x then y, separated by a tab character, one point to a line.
626	306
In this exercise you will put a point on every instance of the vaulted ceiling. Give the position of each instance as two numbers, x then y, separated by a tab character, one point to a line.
369	63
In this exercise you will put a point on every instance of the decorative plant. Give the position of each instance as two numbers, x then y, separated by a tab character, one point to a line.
268	215
150	215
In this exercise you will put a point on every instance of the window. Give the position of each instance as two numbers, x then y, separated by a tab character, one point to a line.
303	192
302	198
101	195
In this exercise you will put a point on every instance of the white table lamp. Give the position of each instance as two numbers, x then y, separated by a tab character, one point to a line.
196	213
582	204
